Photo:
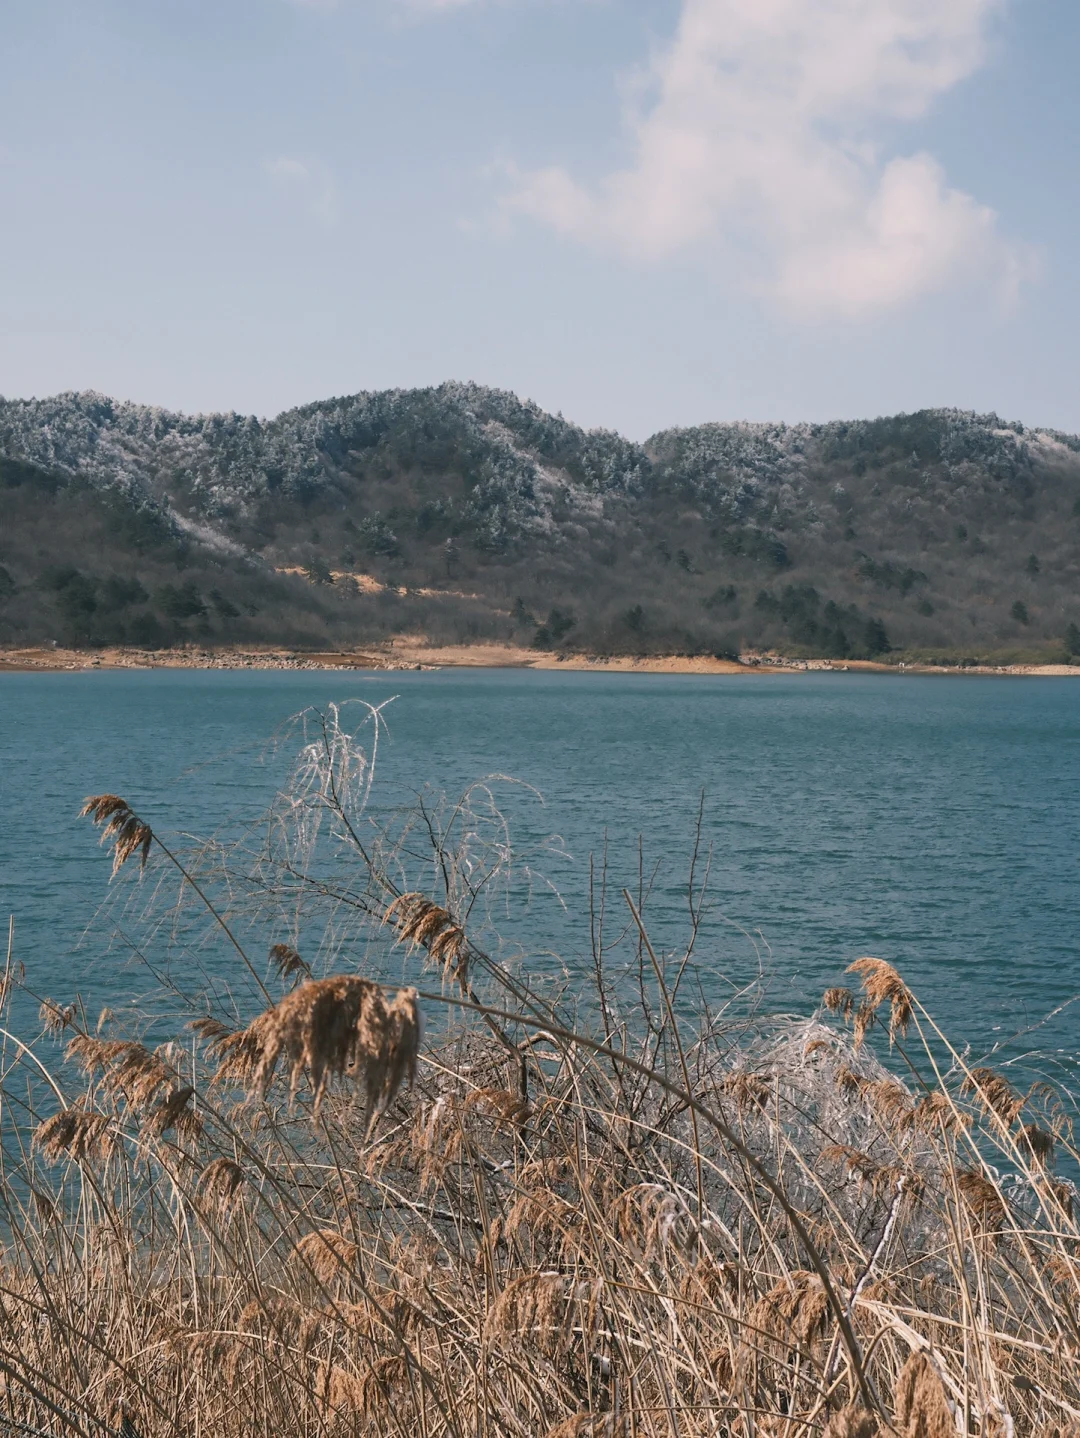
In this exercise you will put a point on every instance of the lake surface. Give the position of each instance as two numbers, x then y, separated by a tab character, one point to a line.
933	822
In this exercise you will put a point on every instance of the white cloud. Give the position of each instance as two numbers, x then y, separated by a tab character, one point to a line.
760	135
310	182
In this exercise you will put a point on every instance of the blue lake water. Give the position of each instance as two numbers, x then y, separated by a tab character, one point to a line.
933	822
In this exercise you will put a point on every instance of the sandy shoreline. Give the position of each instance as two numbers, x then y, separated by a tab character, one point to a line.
415	653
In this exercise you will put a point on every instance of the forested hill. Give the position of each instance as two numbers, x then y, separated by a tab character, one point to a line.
469	514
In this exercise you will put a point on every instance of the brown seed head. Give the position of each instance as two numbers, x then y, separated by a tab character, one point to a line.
207	1349
709	1282
46	1206
210	1028
126	1067
646	1215
406	911
882	984
849	1081
328	1255
1056	1193
54	1017
327	1027
420	921
500	1104
865	1019
542	1309
77	1133
174	1112
369	1396
287	962
852	1422
994	1092
391	1047
921	1407
1037	1143
239	1052
935	1112
891	1102
839	1001
853	1161
449	949
982	1198
722	1366
119	824
747	1089
790	1317
545	1217
592	1425
1063	1271
220	1183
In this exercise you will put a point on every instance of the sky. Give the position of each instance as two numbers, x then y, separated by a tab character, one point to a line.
639	213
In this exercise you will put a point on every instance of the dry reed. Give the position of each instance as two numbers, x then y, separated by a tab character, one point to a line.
120	825
630	1230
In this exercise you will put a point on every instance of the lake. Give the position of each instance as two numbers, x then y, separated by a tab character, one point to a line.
933	822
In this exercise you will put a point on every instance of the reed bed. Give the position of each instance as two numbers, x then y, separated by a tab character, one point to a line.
313	1219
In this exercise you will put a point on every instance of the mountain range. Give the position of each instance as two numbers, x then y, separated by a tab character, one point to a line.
470	515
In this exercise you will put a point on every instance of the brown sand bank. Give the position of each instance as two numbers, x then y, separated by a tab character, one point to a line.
414	652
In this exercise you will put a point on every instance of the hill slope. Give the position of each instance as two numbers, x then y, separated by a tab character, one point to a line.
469	514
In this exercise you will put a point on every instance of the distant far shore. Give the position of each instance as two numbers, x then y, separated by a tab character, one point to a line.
407	652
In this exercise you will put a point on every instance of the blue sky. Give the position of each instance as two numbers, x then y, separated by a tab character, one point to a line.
641	213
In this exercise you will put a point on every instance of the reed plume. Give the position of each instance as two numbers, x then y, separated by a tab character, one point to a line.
542	1310
891	1101
922	1409
288	963
852	1421
1038	1143
747	1089
210	1028
174	1112
328	1027
328	1254
220	1183
994	1092
881	984
839	1001
982	1198
121	825
55	1018
125	1066
77	1133
420	921
592	1425
791	1315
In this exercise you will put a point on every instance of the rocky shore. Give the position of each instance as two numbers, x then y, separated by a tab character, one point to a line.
413	653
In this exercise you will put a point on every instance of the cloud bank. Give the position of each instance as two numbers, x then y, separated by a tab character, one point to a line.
760	137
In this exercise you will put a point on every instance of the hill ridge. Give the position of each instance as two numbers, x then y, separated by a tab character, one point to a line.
933	530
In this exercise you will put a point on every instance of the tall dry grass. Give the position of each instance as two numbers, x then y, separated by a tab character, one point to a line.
311	1219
